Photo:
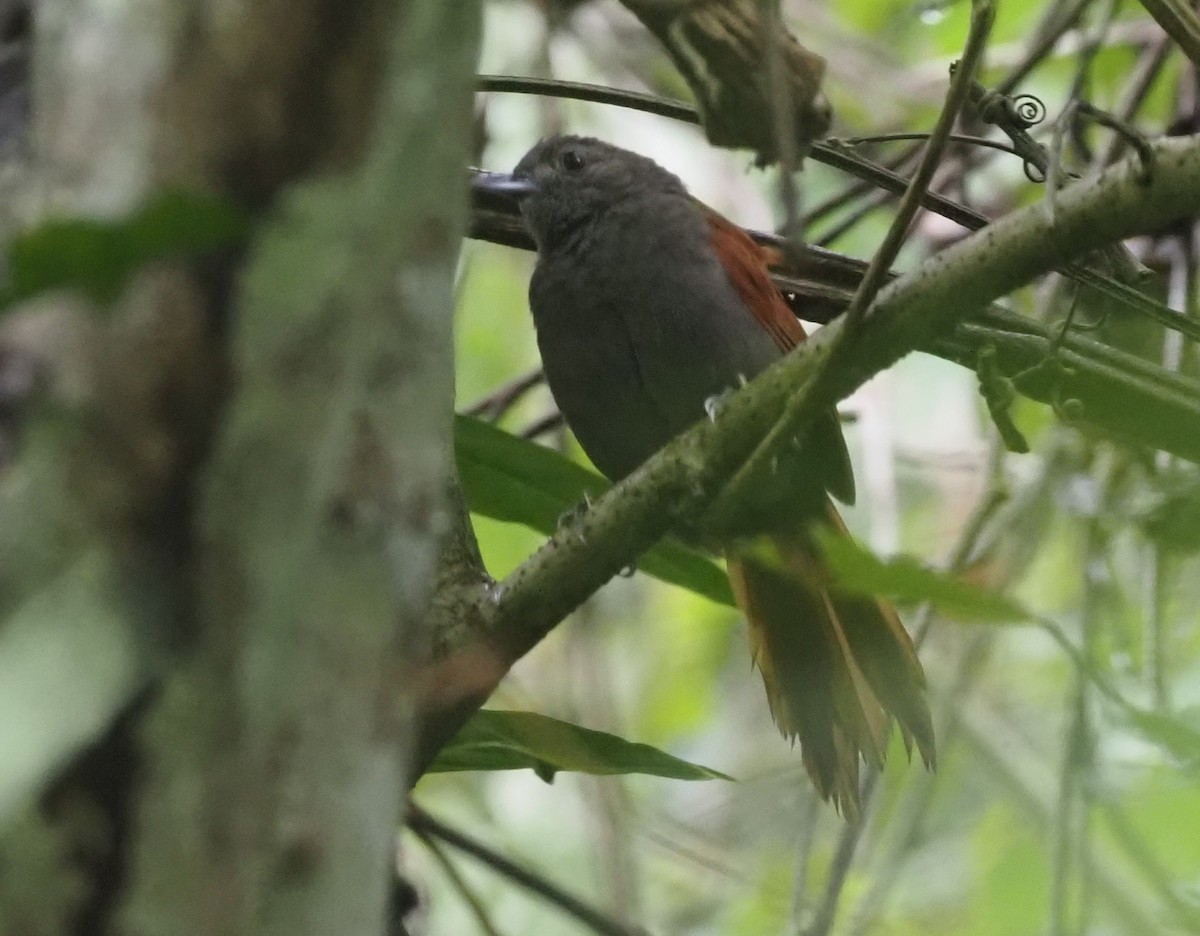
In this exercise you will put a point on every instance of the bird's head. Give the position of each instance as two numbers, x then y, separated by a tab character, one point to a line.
566	182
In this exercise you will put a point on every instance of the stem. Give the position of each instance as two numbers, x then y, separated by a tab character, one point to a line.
423	824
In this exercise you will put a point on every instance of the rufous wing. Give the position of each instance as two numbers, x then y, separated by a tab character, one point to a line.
747	265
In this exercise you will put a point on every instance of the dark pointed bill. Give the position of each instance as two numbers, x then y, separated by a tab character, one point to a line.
503	183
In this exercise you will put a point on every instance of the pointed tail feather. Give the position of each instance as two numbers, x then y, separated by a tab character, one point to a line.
835	666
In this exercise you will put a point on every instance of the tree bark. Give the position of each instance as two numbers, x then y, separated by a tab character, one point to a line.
245	504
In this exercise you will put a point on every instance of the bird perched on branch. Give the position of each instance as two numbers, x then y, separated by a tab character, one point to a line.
647	305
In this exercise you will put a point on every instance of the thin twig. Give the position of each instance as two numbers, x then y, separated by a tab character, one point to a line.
910	814
1178	20
979	533
1137	89
459	883
859	187
811	808
1094	41
833	156
964	138
790	424
843	858
982	16
784	117
1149	865
1042	47
876	200
838	158
422	823
539	427
1067	845
1009	760
500	401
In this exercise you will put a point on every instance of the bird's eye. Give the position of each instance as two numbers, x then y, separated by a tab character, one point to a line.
572	161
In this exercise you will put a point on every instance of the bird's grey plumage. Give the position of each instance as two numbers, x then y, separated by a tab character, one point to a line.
643	312
653	243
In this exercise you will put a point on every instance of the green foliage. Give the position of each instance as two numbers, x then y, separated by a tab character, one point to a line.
1011	889
1174	519
98	257
511	479
496	740
906	581
1176	735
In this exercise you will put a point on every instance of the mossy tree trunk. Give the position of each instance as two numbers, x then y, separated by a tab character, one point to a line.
221	522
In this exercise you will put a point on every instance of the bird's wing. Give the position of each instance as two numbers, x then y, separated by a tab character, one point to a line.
746	264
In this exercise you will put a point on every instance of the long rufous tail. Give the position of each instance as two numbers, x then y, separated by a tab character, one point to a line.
835	666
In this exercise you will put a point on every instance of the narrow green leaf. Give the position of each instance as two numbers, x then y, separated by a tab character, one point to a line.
907	581
1174	734
499	740
98	257
512	479
1174	518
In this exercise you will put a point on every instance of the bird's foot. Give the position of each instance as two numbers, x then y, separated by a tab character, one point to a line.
570	519
717	402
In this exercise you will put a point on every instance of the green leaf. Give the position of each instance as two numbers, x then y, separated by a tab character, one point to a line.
512	479
98	257
1174	734
499	740
907	581
1173	519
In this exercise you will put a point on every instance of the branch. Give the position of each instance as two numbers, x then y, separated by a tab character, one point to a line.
474	902
838	158
878	270
1125	396
677	485
738	64
829	154
793	422
1119	390
1178	21
427	826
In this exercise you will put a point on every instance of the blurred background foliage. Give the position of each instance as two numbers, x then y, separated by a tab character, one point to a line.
1054	810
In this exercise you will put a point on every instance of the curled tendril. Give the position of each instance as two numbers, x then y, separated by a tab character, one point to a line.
1033	172
1028	109
1071	410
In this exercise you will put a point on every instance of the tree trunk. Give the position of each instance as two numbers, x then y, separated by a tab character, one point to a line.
238	521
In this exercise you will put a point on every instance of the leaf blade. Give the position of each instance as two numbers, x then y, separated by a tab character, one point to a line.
511	479
98	256
496	739
907	581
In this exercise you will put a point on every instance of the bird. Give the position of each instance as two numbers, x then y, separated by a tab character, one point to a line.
647	305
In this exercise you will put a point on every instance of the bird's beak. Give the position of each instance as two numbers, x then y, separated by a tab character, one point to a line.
503	183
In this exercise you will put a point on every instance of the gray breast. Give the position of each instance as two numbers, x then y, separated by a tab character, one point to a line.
638	326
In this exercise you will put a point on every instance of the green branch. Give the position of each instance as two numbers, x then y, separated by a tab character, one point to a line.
1178	20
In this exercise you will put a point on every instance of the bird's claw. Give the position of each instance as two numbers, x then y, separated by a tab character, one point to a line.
570	518
715	403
